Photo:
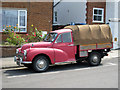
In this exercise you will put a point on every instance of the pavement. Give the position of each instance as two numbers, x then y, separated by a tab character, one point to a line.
9	61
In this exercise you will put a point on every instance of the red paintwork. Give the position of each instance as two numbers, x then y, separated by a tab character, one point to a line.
35	51
36	45
62	31
68	51
57	52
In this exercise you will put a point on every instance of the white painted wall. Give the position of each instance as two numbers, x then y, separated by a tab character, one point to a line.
109	10
112	13
71	12
119	24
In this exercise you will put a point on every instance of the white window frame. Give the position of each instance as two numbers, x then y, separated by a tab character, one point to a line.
102	21
18	10
25	27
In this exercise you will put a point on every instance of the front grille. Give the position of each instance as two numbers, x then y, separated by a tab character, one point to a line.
19	56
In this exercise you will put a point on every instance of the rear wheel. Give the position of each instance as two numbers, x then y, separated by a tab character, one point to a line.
40	64
94	59
79	61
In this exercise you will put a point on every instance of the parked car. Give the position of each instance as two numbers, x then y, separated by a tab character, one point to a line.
73	43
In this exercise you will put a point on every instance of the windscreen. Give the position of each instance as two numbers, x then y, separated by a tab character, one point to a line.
50	37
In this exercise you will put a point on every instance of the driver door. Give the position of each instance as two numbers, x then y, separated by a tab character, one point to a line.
65	50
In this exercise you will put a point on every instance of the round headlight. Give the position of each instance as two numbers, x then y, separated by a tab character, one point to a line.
17	51
25	52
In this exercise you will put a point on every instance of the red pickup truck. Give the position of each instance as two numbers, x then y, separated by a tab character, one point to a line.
64	46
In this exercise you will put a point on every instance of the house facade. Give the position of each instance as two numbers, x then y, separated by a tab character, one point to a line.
67	12
79	12
89	13
24	14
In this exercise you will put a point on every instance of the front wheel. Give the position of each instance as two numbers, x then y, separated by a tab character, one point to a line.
40	64
94	59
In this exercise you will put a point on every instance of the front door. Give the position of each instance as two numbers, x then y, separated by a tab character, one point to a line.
65	49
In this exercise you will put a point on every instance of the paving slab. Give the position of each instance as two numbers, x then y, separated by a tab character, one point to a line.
8	62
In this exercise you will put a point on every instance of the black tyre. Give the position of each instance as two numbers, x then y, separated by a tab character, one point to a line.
40	64
94	59
79	61
28	66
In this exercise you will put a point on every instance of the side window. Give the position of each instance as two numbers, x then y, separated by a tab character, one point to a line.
66	37
59	39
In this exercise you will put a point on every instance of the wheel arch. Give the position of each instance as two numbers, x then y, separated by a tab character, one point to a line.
100	51
42	54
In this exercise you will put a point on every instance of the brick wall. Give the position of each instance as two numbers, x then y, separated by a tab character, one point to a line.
8	51
38	13
89	14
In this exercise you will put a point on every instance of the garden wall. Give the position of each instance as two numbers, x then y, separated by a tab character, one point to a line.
8	51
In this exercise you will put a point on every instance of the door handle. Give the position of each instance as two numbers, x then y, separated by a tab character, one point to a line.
71	45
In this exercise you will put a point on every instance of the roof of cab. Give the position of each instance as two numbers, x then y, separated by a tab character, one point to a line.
62	31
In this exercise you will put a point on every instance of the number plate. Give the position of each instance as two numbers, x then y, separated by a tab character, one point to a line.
19	61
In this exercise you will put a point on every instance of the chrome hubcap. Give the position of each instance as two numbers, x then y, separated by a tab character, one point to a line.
95	59
41	64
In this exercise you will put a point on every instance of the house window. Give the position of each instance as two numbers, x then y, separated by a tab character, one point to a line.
55	16
98	15
22	20
14	18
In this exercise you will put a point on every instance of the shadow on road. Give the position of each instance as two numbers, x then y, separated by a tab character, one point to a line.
25	71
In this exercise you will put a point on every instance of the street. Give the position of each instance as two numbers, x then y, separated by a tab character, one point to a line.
64	76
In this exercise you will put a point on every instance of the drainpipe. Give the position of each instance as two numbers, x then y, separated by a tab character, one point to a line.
57	4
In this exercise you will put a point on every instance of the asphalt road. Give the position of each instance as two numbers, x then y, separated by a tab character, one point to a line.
64	76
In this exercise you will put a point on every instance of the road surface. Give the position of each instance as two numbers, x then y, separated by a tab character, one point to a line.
64	76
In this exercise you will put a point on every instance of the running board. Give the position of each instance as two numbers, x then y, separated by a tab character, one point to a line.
66	62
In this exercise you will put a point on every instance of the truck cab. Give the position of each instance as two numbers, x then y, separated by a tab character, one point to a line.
64	46
57	47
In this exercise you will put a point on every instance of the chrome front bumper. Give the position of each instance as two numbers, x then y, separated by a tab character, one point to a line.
20	61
